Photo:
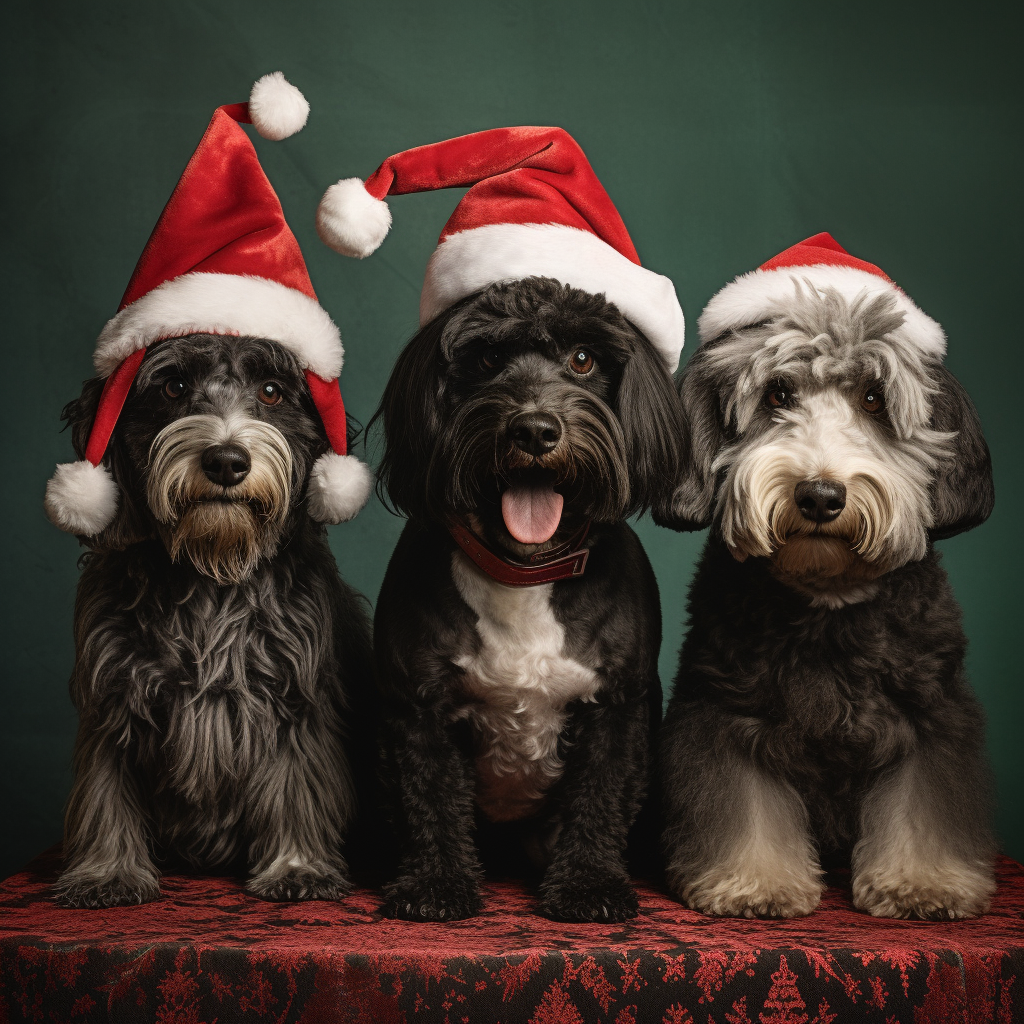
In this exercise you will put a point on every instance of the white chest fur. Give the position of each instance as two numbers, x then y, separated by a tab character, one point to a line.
517	685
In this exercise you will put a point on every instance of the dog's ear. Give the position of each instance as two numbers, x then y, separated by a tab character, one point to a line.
962	492
692	503
130	524
409	411
652	424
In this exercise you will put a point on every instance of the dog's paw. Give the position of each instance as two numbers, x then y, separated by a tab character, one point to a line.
95	893
602	901
418	898
945	895
297	884
752	897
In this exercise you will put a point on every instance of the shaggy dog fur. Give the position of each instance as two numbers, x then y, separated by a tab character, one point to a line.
529	707
218	654
821	702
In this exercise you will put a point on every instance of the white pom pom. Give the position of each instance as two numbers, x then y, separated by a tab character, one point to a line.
338	488
350	220
277	108
81	498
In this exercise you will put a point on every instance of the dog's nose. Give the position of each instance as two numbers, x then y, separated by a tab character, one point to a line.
226	464
820	500
536	433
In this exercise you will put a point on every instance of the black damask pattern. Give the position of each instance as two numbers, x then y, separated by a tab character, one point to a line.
206	952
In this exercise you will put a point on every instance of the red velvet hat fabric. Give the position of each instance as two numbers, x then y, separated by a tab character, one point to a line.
223	217
820	250
518	176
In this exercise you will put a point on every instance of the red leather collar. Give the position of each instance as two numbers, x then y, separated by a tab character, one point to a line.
560	563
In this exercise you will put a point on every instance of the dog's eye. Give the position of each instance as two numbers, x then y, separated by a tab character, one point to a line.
582	361
175	388
777	396
269	393
873	400
490	358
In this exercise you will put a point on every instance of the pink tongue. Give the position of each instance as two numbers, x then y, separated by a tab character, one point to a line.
531	514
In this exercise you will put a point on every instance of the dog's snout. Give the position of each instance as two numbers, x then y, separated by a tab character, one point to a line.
820	500
226	464
536	433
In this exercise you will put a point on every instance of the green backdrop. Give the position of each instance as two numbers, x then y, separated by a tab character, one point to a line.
724	132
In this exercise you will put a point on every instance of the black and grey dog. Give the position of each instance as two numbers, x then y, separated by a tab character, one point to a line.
219	656
528	420
821	703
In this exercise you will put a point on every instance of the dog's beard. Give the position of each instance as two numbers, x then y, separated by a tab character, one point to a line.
477	462
224	532
884	524
223	540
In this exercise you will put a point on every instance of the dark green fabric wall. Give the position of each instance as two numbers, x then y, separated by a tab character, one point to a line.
724	131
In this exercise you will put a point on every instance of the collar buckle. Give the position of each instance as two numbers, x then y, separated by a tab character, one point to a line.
564	562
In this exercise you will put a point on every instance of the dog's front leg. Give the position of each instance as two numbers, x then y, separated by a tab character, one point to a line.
439	872
105	844
598	799
925	849
736	839
298	805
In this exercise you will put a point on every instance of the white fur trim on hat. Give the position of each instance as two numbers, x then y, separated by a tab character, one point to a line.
81	498
468	261
762	294
339	487
224	304
277	109
350	220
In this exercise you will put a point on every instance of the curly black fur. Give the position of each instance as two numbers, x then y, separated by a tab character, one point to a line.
446	414
221	725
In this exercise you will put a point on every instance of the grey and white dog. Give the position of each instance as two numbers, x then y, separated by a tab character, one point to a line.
219	656
821	704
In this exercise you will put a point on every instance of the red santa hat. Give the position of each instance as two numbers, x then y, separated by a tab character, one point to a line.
535	208
820	263
221	260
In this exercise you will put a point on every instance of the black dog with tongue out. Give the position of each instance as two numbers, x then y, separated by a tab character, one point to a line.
519	624
518	627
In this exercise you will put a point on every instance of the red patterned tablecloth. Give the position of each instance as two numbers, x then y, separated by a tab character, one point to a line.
205	952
